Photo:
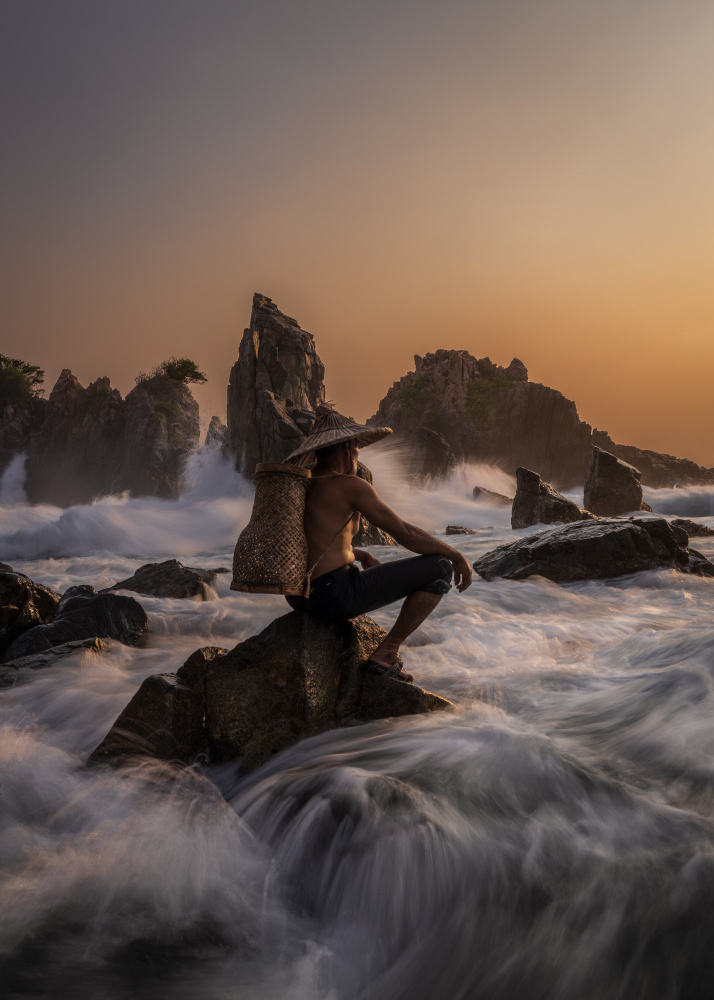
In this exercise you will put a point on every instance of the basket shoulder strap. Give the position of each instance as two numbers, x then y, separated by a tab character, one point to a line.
308	578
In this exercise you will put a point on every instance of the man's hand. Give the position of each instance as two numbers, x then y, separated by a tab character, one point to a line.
366	559
462	572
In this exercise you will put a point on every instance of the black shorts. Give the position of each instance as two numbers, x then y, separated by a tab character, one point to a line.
348	591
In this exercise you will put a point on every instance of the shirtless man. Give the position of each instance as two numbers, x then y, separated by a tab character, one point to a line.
335	500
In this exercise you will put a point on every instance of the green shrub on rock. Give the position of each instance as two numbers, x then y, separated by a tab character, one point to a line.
19	381
181	370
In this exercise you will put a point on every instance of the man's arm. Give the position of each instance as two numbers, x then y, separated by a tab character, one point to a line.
365	499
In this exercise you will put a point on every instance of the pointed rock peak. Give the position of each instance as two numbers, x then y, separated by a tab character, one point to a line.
264	308
517	370
66	381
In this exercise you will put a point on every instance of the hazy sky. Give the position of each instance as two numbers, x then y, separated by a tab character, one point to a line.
529	178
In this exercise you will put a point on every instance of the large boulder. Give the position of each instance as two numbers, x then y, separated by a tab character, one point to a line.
537	502
82	613
300	676
23	605
274	389
612	486
593	550
171	579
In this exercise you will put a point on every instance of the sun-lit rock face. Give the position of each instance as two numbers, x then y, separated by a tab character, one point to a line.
485	412
274	389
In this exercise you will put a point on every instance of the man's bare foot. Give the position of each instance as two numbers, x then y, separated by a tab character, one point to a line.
395	670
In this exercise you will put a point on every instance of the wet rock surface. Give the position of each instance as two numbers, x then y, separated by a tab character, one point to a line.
300	676
23	605
274	389
481	493
431	458
537	502
11	671
592	550
693	528
456	529
171	579
612	487
82	613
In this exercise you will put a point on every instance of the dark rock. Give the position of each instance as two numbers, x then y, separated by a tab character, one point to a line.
656	468
594	550
162	429
488	413
368	533
537	502
456	529
83	614
431	459
6	568
9	672
299	677
481	493
693	528
93	443
612	486
171	579
217	434
75	456
23	605
275	387
492	414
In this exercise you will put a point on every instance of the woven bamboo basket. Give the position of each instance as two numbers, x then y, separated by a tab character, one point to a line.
271	552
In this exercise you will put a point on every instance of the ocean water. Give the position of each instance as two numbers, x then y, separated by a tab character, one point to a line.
552	839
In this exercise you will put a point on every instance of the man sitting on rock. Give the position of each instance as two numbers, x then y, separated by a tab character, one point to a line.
335	500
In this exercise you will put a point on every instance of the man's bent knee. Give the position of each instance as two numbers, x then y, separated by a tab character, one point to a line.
443	574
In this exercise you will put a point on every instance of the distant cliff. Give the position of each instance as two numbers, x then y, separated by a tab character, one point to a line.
274	389
94	443
492	414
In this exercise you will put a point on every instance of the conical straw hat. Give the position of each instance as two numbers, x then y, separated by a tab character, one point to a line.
331	427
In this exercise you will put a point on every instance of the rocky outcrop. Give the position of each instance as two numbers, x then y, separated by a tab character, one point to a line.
94	443
10	672
23	605
612	487
369	534
537	502
456	529
693	528
595	550
83	614
299	677
656	469
275	387
489	413
76	454
492	414
171	579
488	496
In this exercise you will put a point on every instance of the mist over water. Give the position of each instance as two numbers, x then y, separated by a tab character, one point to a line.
552	839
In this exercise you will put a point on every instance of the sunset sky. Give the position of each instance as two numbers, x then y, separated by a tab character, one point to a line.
530	178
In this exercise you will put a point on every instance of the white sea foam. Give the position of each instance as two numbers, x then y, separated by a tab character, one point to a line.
564	809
